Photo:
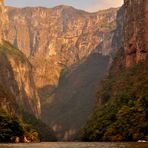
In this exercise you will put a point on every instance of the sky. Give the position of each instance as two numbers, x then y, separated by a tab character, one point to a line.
87	5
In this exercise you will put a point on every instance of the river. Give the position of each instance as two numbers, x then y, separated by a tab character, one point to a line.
76	145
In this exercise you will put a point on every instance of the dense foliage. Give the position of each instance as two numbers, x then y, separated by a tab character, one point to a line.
124	113
45	133
30	127
11	126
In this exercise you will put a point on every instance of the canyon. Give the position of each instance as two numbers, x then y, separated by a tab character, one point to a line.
55	39
123	94
53	62
70	52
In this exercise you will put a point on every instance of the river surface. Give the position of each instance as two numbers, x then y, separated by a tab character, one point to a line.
76	145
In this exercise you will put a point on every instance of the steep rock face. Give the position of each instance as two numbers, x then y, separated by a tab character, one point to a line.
135	31
16	78
75	95
17	85
1	10
55	38
113	40
123	95
59	42
70	104
3	18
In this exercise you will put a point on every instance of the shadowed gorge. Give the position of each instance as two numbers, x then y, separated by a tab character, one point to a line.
70	75
70	101
70	51
121	113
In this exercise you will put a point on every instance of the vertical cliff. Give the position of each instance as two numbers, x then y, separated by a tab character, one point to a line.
16	77
135	31
56	38
122	111
75	94
3	19
1	9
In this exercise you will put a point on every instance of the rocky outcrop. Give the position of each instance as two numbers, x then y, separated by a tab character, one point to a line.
17	82
113	40
135	31
55	39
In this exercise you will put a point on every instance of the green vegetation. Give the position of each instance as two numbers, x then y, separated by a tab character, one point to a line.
11	126
45	133
124	113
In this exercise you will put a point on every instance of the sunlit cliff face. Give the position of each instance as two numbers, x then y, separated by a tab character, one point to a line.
57	38
3	19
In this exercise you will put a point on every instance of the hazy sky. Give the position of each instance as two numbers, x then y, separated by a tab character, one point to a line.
89	5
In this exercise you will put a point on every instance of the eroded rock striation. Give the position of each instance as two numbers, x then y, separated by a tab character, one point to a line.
54	39
17	80
122	99
67	48
18	91
70	51
135	31
3	19
74	98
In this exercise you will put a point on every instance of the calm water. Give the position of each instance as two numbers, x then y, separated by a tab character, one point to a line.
76	145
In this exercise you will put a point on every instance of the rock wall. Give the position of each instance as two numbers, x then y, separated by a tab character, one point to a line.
3	19
113	40
135	31
75	95
57	38
16	78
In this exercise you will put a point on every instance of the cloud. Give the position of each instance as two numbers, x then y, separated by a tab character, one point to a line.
103	4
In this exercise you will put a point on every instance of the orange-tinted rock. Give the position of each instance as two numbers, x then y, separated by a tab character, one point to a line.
55	39
3	19
17	79
15	139
135	31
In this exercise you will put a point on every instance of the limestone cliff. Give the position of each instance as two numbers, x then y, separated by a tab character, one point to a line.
135	31
54	39
16	81
121	113
3	19
70	52
113	40
75	95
